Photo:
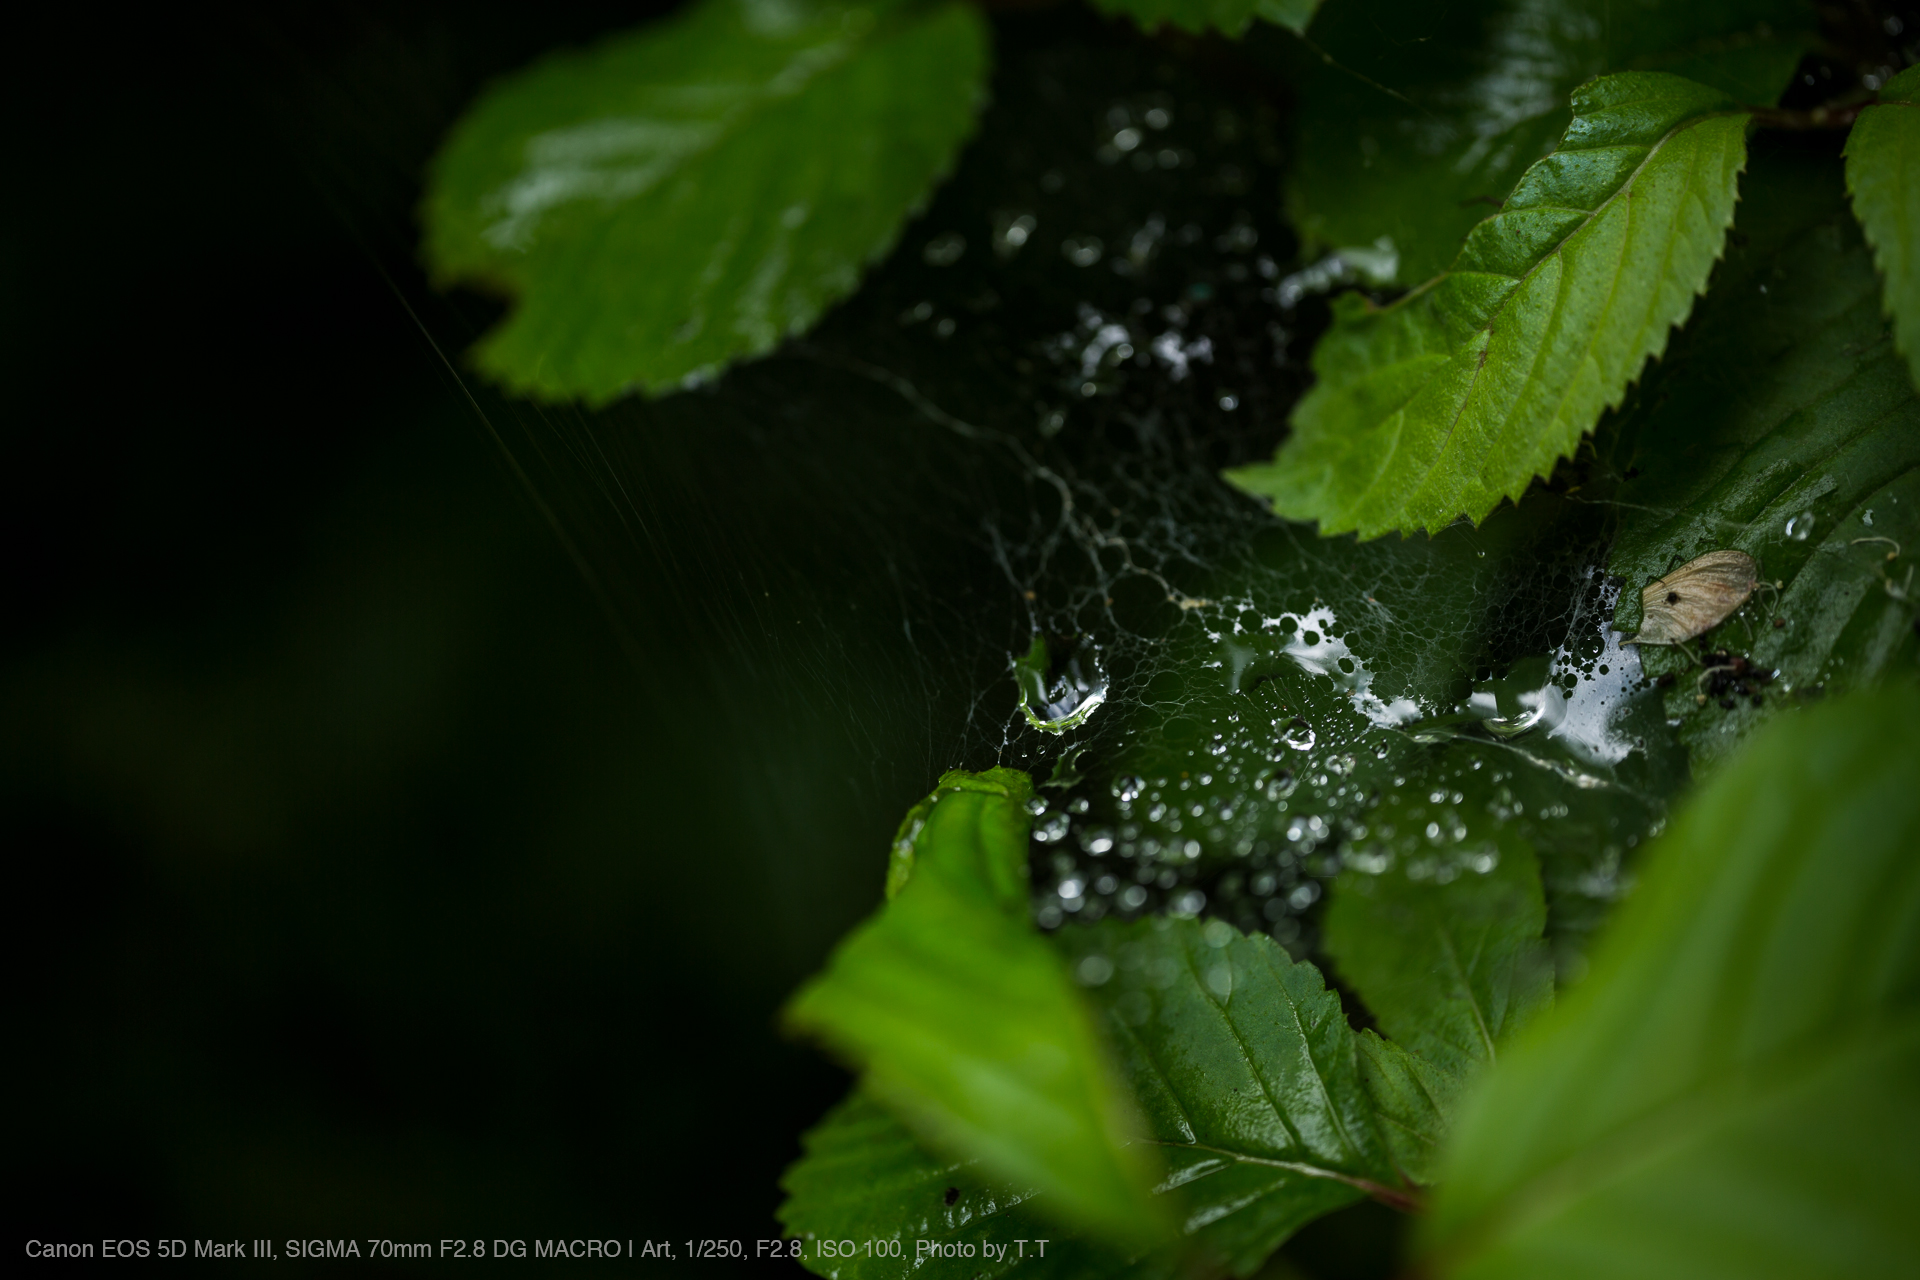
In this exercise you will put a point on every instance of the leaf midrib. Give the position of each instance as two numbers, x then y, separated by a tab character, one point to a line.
1466	989
1179	1100
1301	1167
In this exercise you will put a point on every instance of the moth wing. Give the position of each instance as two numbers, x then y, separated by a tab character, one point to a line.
1708	588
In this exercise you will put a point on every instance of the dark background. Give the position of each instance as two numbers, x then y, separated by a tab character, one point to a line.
376	875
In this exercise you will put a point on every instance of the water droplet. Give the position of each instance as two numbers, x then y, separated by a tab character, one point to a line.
1011	231
1051	828
1220	980
1800	527
1055	700
1298	734
1082	251
944	251
1094	970
1280	785
1128	789
1218	933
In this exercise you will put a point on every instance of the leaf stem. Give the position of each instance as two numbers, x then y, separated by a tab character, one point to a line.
1823	117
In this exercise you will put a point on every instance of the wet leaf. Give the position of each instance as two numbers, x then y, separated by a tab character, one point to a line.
977	839
964	1021
1413	1103
1456	396
1417	703
863	1177
1450	969
1230	16
1696	597
1245	1067
695	191
1883	173
1783	424
1420	118
1729	1092
1251	1086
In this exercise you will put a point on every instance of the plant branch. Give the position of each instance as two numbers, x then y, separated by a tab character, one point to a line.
1835	116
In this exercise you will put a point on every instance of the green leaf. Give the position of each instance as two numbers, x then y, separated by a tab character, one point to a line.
1246	1070
1413	1103
1231	16
1449	969
1883	173
1423	700
983	843
1251	1086
862	1177
693	192
1782	424
1730	1092
1409	138
965	1022
1459	394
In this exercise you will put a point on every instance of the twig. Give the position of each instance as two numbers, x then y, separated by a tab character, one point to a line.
1838	117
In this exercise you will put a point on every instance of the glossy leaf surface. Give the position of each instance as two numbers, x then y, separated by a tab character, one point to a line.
1419	118
1246	1070
1413	1103
1460	394
693	192
1251	1086
1451	970
1230	16
979	840
964	1022
863	1177
1730	1090
1783	424
1883	172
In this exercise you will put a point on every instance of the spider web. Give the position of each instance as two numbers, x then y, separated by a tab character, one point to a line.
1015	431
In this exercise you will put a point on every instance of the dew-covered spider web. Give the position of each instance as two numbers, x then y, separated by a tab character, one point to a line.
991	482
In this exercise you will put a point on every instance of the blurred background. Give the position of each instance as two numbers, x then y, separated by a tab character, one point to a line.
381	874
